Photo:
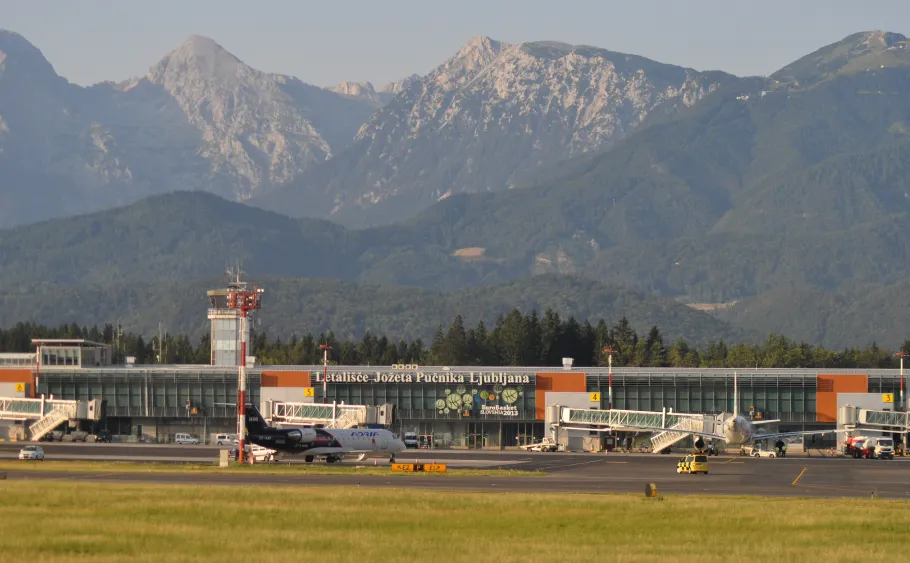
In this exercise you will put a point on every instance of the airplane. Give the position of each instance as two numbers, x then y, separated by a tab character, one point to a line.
738	430
333	444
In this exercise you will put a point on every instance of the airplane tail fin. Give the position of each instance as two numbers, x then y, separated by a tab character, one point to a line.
254	420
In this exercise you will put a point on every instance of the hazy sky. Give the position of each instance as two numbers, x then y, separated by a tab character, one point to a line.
325	42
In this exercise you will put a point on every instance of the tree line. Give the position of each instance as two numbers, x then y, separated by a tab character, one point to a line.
515	339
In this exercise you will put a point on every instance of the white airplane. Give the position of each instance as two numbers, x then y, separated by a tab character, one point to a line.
332	444
738	430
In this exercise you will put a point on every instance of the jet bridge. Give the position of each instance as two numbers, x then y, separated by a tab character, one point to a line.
48	413
857	418
677	425
332	415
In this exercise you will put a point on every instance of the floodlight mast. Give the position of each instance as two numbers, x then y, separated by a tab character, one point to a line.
902	355
245	301
609	351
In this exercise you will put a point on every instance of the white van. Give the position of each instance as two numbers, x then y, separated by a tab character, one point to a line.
224	439
181	438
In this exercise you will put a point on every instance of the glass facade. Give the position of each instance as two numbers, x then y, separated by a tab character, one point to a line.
455	415
225	339
787	395
469	414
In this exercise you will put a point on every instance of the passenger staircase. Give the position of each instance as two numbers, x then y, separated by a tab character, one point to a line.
673	434
58	414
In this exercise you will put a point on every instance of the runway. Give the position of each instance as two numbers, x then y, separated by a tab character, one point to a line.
565	472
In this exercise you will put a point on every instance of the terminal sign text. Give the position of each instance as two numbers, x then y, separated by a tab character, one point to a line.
424	377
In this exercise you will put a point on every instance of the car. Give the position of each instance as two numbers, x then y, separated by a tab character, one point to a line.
103	436
693	463
32	453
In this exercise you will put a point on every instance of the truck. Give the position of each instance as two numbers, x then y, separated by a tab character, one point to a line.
884	448
860	447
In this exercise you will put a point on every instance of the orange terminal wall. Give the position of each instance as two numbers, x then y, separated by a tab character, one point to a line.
286	379
557	382
828	386
18	375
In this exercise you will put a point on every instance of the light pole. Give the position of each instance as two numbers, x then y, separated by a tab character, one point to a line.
609	351
901	356
325	370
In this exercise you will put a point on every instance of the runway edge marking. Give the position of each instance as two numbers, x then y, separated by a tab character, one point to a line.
798	477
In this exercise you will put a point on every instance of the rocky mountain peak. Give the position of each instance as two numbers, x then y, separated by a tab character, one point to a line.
858	52
21	60
199	56
472	58
399	86
356	89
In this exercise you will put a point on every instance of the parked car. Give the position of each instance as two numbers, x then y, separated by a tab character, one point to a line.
182	438
103	436
32	453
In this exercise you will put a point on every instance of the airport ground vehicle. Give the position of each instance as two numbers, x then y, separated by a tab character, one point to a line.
410	440
182	438
884	448
860	447
545	445
758	451
259	454
103	436
693	463
32	452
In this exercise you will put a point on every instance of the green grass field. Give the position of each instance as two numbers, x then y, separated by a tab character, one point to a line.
93	523
260	469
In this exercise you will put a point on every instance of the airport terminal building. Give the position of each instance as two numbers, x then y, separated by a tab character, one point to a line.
458	406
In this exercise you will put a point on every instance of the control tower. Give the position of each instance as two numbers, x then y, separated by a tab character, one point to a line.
225	323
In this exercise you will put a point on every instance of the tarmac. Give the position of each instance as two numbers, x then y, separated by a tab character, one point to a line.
795	476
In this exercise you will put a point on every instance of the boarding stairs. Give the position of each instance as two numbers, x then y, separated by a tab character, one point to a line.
59	413
676	433
310	414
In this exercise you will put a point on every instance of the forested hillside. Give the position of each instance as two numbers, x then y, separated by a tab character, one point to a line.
513	340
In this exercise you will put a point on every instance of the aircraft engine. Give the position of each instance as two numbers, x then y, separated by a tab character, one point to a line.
699	443
303	435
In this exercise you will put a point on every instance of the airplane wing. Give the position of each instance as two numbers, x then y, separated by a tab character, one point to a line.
695	432
757	437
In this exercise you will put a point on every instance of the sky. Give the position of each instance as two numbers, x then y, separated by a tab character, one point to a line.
325	42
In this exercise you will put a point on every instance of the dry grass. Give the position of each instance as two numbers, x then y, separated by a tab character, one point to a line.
94	523
261	469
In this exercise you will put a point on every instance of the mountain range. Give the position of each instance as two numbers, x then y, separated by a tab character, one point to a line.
753	196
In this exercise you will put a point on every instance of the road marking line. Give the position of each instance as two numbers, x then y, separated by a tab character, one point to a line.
798	477
574	464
